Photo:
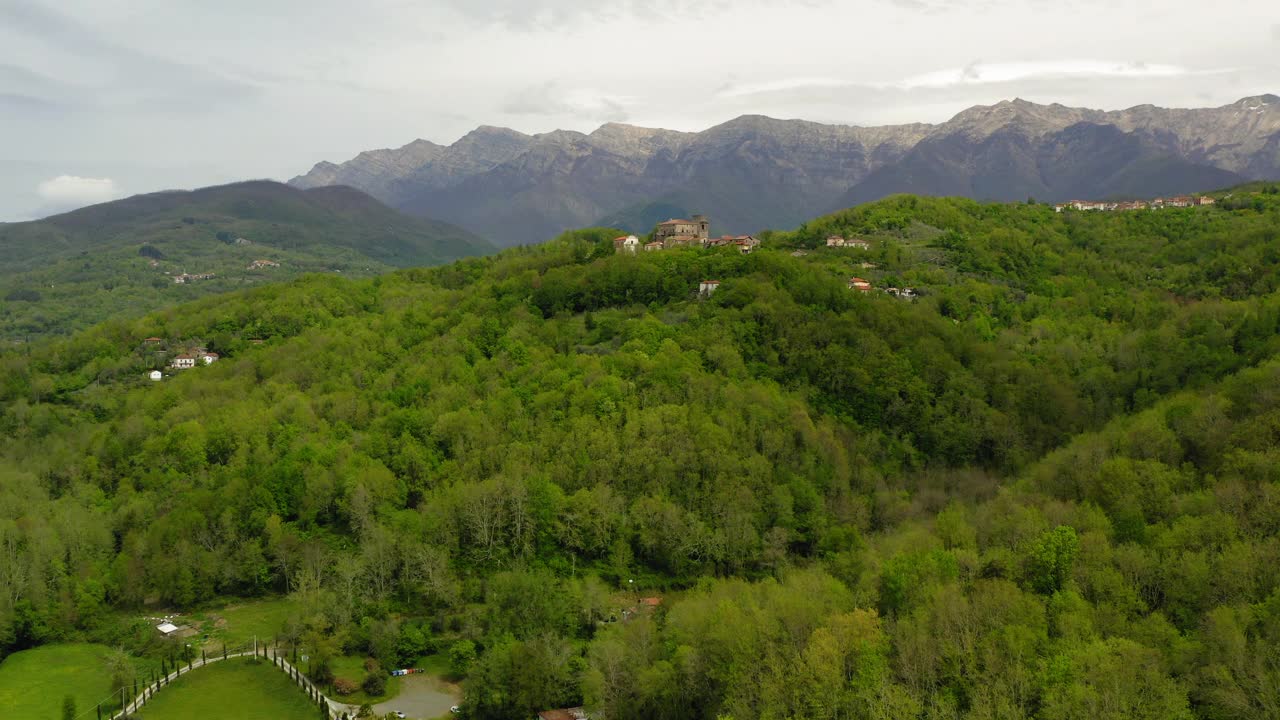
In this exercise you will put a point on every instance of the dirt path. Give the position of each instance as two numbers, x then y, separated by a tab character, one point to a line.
421	697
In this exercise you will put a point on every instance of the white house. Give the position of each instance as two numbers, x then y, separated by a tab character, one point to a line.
835	241
628	244
706	287
167	628
183	362
155	375
209	358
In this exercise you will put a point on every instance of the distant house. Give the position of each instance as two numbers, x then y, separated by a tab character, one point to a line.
167	628
185	278
706	287
835	241
1205	200
1180	201
627	244
261	264
153	341
858	244
155	376
859	284
653	246
186	361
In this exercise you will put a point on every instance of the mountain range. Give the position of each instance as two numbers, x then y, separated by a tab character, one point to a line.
756	172
72	270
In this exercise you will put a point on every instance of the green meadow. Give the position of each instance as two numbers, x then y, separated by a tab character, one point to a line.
236	689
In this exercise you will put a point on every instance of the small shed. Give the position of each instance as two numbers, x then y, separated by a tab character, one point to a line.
155	375
167	628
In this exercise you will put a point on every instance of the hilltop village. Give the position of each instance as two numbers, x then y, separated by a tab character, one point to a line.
1180	201
684	233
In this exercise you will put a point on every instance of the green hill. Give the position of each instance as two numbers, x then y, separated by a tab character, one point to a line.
1044	488
73	270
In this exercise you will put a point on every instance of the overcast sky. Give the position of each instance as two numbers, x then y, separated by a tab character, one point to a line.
104	98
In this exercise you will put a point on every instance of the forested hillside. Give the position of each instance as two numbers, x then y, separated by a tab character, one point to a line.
1047	487
70	271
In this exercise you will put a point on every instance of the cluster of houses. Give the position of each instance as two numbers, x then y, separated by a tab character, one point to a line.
185	278
684	233
186	361
263	264
837	241
1180	201
865	286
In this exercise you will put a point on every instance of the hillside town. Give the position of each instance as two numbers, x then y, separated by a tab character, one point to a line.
684	233
1180	201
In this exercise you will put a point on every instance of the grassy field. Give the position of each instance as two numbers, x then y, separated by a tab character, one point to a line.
34	682
350	667
230	690
238	624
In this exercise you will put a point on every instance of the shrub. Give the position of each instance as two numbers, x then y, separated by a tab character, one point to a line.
375	683
343	686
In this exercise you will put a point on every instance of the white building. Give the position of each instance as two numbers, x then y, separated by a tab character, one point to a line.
627	244
155	375
706	287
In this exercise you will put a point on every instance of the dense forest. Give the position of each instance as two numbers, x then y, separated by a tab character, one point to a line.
1047	487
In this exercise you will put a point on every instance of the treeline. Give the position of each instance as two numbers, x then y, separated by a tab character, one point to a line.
1045	489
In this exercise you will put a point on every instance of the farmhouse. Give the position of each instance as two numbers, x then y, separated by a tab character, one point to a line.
859	284
186	361
627	244
838	241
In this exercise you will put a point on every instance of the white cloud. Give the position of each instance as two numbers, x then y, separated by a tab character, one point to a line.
980	73
70	191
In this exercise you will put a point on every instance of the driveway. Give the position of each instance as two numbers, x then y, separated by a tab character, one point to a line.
422	697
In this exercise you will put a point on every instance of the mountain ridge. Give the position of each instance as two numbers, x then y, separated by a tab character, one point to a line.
754	172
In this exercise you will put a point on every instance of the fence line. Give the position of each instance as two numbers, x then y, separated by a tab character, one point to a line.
330	710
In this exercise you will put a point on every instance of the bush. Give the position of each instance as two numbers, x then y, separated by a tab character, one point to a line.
23	295
461	655
375	683
343	686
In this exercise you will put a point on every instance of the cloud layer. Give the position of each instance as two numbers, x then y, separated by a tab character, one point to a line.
71	191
